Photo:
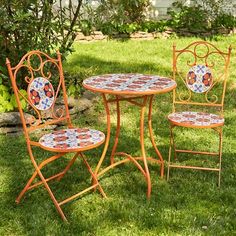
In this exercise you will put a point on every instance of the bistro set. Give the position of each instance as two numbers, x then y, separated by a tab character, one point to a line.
198	83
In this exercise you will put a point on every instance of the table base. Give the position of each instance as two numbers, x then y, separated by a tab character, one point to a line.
145	100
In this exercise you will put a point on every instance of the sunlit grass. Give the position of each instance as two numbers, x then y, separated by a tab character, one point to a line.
189	204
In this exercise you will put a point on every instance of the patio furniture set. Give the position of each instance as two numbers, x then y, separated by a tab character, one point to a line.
200	72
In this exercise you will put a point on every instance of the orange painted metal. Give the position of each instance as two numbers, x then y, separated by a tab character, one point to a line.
204	53
128	93
142	99
27	63
148	178
152	137
117	129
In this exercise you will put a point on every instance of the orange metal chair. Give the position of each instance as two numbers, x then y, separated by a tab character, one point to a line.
43	77
201	71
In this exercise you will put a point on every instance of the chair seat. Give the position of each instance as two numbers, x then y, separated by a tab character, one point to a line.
196	119
69	140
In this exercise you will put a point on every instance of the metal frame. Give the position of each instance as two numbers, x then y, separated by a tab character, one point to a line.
185	99
146	100
143	100
58	115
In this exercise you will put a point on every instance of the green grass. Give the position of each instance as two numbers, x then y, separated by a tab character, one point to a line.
189	204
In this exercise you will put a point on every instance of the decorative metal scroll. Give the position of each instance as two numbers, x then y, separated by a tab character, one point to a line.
200	68
43	90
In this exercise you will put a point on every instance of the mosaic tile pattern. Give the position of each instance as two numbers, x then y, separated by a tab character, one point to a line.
196	118
41	93
199	79
67	139
129	83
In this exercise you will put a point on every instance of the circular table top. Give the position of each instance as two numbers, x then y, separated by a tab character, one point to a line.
129	84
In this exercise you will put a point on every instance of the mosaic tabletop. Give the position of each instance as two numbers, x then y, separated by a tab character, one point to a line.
196	119
129	84
68	139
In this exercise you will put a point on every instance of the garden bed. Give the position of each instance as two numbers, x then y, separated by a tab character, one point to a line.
140	35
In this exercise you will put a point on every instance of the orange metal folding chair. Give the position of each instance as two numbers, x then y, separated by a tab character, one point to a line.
43	78
201	71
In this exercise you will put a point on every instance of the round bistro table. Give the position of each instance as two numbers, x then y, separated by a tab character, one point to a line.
139	90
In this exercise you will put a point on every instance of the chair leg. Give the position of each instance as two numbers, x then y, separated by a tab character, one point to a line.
173	142
220	155
44	182
168	166
37	168
71	162
42	164
51	195
26	187
170	150
95	180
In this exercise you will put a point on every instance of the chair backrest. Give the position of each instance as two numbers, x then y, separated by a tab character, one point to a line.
39	86
201	71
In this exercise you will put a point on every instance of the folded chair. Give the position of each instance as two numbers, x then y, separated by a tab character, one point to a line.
201	72
42	77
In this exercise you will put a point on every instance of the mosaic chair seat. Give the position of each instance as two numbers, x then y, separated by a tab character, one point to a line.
43	78
195	119
201	72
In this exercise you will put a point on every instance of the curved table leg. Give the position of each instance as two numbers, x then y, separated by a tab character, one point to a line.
107	136
148	179
128	159
152	137
117	130
145	170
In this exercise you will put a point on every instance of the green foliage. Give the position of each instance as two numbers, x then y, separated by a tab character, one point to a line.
224	20
200	16
29	25
108	28
145	26
128	28
5	96
85	27
152	26
187	17
26	24
218	17
74	78
214	8
7	99
121	16
123	11
74	83
134	9
114	16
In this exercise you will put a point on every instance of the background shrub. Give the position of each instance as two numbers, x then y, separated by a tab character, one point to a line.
29	25
188	17
116	16
207	15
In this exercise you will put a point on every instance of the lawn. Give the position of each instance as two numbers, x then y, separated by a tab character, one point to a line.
189	204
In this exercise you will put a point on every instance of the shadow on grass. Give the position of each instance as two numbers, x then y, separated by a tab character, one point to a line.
95	66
